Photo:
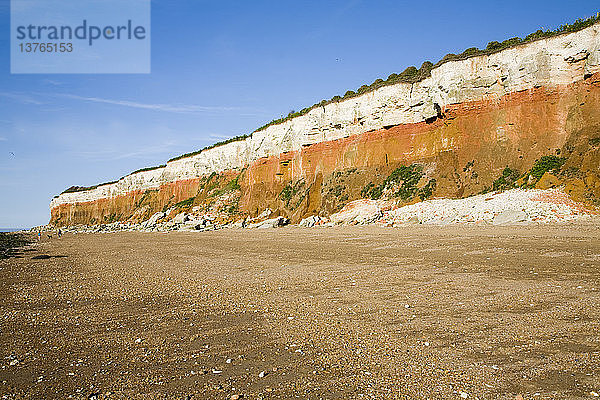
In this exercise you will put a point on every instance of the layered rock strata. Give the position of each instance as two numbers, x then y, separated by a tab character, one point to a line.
464	125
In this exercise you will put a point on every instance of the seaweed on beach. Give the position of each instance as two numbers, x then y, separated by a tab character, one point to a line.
9	242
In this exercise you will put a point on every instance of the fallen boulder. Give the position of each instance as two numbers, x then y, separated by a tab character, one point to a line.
181	218
509	217
311	221
153	219
358	212
270	223
242	223
264	214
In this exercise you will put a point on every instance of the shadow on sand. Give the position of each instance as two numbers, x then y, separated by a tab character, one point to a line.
46	257
11	244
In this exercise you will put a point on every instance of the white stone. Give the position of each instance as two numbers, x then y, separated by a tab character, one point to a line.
509	217
311	221
516	206
181	218
358	212
240	223
154	219
270	223
264	214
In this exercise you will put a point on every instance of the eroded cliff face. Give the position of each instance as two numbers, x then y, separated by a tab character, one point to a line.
463	126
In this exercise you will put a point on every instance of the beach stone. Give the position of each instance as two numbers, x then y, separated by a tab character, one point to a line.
150	223
509	217
271	223
414	220
191	227
181	218
358	212
242	223
265	214
311	221
154	218
548	181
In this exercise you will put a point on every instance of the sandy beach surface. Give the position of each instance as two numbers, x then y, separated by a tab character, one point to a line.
455	312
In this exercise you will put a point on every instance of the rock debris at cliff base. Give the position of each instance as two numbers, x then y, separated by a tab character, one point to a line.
517	206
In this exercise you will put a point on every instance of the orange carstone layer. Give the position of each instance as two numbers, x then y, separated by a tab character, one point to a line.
513	130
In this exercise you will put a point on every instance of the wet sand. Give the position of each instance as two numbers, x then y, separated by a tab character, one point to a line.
333	313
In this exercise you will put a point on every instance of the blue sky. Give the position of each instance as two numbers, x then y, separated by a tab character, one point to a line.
221	69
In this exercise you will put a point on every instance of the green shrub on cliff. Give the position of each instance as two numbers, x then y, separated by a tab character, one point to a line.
367	191
146	197
286	193
545	164
185	203
406	179
148	169
232	185
290	190
403	181
494	46
512	42
233	139
372	191
74	189
427	191
507	180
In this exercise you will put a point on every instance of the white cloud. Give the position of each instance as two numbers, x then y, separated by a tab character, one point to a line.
34	98
149	150
52	82
220	137
176	108
22	98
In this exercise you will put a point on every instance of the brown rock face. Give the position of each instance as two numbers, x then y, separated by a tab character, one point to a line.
548	181
463	151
